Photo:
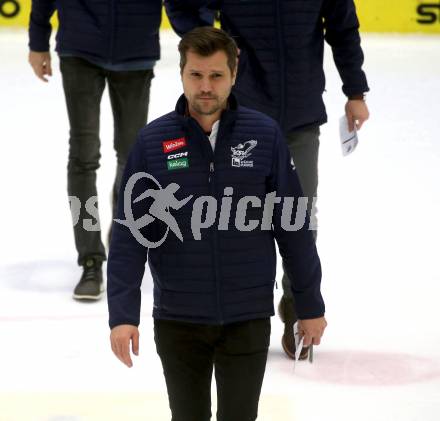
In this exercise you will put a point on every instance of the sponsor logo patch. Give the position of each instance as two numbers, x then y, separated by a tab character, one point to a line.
177	155
177	164
173	144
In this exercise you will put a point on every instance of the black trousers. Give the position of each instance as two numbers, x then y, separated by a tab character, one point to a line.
84	84
189	352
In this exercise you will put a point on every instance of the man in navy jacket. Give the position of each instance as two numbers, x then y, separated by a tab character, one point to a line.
281	74
113	42
192	202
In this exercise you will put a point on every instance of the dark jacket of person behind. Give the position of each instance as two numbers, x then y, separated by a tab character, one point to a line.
281	51
112	31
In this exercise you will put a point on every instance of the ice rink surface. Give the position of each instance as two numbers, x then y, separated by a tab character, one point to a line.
379	231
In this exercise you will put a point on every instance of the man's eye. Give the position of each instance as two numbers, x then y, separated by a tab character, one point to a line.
195	74
217	75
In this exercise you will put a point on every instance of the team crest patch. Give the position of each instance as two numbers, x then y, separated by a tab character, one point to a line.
173	144
241	152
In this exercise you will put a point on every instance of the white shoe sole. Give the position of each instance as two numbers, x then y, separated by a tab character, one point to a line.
89	297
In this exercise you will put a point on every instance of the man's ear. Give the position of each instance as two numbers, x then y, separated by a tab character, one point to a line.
234	76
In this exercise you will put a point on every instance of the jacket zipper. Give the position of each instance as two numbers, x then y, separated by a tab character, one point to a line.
215	245
214	233
211	171
112	29
282	63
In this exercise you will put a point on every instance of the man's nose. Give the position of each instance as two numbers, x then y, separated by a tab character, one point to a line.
205	85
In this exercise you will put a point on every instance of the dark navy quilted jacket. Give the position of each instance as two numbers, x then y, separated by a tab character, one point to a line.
110	30
282	45
226	275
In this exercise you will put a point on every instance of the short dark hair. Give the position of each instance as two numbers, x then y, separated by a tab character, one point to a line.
205	41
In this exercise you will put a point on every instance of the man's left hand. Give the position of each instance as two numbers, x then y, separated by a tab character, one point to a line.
312	330
357	113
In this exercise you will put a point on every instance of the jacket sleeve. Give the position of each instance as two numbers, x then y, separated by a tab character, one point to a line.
127	257
185	15
39	24
342	34
297	248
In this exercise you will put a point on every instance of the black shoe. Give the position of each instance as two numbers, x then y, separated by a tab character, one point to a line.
287	316
90	286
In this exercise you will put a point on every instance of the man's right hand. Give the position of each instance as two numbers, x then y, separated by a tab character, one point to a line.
120	338
312	330
40	62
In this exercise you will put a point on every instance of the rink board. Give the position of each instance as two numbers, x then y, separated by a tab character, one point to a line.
405	16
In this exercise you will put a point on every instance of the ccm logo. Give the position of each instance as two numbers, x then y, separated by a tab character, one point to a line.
429	13
172	145
178	155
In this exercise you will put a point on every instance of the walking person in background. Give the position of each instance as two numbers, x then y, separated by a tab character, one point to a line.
98	43
281	74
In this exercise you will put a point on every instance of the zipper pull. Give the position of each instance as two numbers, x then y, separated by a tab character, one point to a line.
211	170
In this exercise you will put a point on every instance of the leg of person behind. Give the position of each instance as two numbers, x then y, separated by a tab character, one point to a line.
129	95
240	363
304	148
83	85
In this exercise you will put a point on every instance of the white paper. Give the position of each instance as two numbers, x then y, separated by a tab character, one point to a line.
349	140
299	344
299	348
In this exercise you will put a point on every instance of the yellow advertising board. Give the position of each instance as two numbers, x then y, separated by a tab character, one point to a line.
410	16
14	12
407	16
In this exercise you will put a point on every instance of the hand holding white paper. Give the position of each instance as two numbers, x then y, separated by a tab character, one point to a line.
349	140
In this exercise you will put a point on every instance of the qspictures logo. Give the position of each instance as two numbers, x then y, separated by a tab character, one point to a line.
205	209
9	8
429	13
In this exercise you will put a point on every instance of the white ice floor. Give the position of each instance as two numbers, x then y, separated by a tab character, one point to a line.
379	231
